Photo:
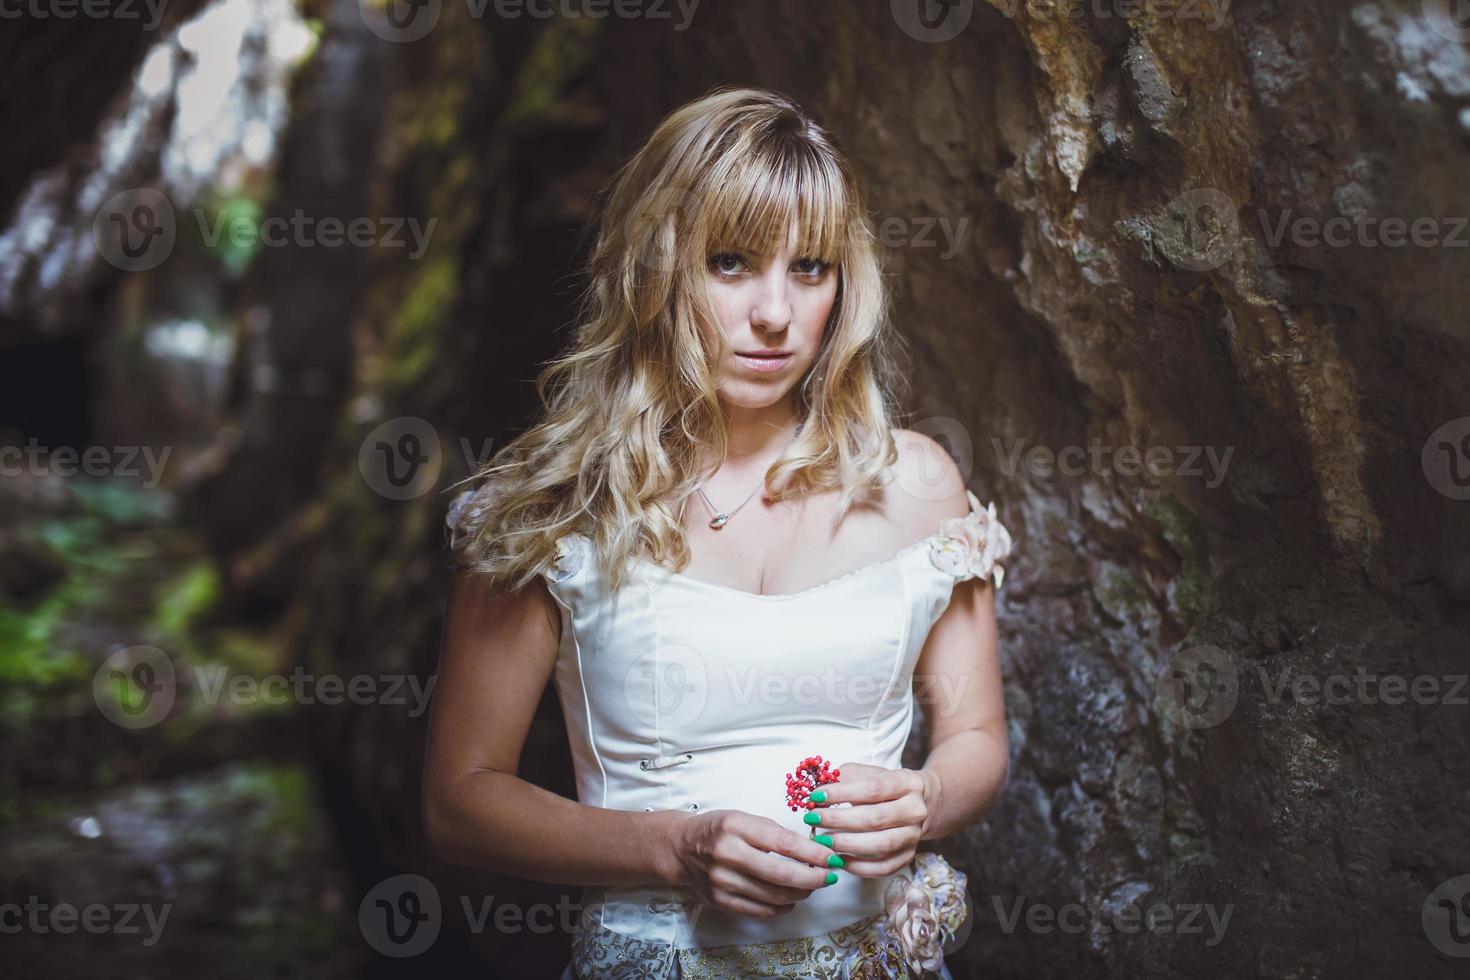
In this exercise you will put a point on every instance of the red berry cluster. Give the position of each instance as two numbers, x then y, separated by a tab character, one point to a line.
811	772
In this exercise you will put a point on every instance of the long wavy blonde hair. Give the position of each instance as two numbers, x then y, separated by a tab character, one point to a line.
630	411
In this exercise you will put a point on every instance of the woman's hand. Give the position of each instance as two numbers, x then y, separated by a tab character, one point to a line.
722	855
879	833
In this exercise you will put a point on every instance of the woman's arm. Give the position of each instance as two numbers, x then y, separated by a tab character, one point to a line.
497	656
958	682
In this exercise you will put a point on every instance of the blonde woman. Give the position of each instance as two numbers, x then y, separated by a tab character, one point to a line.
728	560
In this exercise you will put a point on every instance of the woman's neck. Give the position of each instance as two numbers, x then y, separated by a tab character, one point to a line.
759	433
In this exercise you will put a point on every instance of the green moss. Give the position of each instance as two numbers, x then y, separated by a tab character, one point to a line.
417	331
231	230
560	53
1119	589
1194	588
186	598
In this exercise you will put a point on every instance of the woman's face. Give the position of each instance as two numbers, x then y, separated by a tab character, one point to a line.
773	309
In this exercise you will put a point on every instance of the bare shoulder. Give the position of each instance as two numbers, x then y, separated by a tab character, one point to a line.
928	488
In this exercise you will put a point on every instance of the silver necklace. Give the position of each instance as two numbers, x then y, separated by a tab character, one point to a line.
720	520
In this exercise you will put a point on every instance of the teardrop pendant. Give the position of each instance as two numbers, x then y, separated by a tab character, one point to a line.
719	521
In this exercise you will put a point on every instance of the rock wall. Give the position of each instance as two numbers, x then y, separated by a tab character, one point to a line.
1215	432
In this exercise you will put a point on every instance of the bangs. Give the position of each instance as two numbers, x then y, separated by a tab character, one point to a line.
752	203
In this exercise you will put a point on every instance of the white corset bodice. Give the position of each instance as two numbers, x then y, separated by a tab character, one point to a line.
683	694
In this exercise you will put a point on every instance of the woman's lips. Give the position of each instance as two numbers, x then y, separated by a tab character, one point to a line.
763	364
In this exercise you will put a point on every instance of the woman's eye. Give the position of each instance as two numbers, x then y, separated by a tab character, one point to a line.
726	263
813	268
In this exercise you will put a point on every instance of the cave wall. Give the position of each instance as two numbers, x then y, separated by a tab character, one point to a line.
1080	213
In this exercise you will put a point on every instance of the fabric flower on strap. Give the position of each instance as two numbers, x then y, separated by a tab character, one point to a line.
923	913
464	512
972	546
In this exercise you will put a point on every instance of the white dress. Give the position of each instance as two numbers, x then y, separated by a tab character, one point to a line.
683	694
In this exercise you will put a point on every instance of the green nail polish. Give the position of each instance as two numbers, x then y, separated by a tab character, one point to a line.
811	817
831	877
818	796
824	839
835	861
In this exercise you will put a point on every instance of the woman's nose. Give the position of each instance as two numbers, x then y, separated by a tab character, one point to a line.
772	308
